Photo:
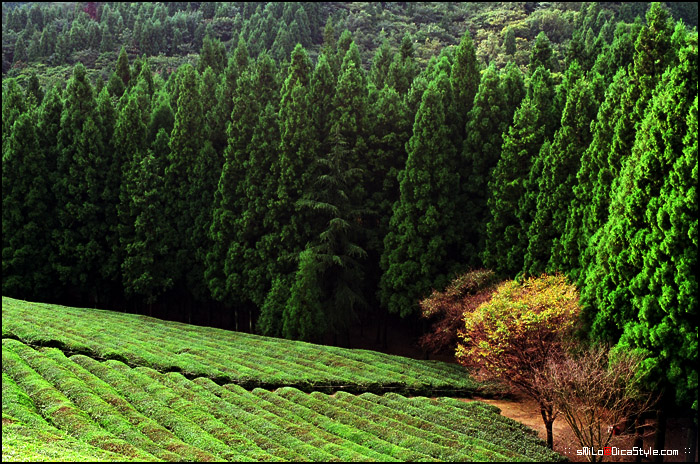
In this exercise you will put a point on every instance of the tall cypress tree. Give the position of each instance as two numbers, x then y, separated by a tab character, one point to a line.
594	179
403	69
145	266
336	251
185	144
349	118
26	213
653	53
323	84
122	68
504	247
465	77
541	53
291	228
487	121
225	262
80	185
130	143
423	239
651	249
559	176
380	64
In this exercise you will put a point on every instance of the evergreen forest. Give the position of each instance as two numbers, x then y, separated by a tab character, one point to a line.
300	170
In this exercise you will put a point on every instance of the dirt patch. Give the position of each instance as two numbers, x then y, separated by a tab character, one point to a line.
523	409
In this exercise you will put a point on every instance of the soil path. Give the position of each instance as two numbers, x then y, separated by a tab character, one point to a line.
524	410
521	408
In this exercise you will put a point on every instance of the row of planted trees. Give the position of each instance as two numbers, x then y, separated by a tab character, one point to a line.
300	197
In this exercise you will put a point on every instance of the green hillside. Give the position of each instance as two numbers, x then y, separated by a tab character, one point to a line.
225	356
168	397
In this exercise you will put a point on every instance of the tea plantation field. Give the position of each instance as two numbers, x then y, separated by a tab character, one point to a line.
81	384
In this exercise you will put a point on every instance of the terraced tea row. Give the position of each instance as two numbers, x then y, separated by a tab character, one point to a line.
142	414
228	357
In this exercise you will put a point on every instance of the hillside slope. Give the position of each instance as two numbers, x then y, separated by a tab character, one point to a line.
58	404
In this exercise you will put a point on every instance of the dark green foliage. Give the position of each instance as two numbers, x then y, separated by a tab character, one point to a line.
509	41
111	188
380	65
489	118
349	120
185	145
80	184
34	89
559	177
323	84
225	261
162	116
541	53
213	55
115	86
422	242
464	78
293	172
27	213
130	142
144	267
390	131
504	247
122	68
332	261
403	68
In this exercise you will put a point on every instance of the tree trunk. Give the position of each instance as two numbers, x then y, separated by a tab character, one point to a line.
660	436
548	421
638	436
692	441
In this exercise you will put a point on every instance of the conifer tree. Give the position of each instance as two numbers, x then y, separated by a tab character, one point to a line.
80	185
504	248
423	239
541	53
225	264
27	216
323	84
349	118
336	251
293	171
185	144
144	267
403	69
302	317
130	143
380	64
14	103
649	250
653	53
618	274
545	252
110	195
260	188
34	89
161	117
487	121
122	68
594	179
465	77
